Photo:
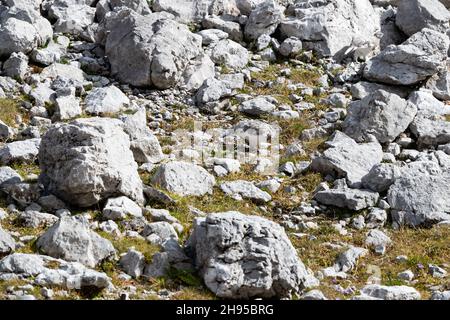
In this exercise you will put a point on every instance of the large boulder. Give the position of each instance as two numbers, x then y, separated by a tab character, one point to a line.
22	29
331	27
347	159
242	257
381	114
421	56
88	160
184	179
415	15
149	50
71	239
391	292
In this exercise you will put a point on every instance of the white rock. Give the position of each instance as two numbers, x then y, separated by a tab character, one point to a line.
48	271
88	160
20	151
241	189
72	240
184	179
378	241
120	208
391	292
230	54
414	15
331	27
105	100
241	256
346	158
380	114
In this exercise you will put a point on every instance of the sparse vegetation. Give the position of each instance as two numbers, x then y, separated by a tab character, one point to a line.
122	245
26	169
9	109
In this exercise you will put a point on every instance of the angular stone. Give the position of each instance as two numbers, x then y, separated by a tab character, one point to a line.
105	100
257	107
20	151
88	160
184	179
391	292
133	263
378	241
244	257
7	243
48	271
421	56
144	144
241	189
264	19
347	159
353	199
71	239
156	50
331	27
415	15
120	208
230	54
381	114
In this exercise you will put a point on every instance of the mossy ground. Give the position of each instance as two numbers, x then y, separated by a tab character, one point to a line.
9	109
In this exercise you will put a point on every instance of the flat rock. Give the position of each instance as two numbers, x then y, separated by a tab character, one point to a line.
353	199
184	179
241	189
421	56
391	292
415	15
347	159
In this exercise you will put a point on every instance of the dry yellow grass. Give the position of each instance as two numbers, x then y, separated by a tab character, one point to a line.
9	109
